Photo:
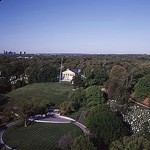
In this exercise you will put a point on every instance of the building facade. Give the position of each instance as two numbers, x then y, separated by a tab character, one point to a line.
69	74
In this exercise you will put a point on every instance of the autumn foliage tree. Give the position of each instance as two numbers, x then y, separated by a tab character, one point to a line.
116	83
118	72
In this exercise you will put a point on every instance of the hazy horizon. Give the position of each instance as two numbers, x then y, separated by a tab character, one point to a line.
79	26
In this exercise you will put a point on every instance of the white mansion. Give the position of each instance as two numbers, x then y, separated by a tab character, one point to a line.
69	74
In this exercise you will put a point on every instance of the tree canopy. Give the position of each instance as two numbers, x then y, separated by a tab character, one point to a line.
116	83
94	96
96	76
131	142
3	101
142	88
82	143
118	72
105	124
65	142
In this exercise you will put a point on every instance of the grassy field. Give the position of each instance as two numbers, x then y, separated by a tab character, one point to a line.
39	136
51	92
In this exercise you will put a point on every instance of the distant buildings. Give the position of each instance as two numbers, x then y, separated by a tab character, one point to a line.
13	53
20	55
9	52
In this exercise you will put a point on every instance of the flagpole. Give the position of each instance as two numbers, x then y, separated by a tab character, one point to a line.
60	75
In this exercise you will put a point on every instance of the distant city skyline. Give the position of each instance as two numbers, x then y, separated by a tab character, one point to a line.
75	26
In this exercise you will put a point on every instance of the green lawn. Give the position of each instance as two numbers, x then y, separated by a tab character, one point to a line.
39	136
49	92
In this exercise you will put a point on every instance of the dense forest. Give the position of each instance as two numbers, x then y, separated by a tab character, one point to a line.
102	97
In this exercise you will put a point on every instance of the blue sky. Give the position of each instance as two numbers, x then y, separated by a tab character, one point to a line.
75	26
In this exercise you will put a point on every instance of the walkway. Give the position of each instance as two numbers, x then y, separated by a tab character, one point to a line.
2	130
82	127
138	103
64	119
1	134
56	119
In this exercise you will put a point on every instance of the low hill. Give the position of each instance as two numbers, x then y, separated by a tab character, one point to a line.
41	92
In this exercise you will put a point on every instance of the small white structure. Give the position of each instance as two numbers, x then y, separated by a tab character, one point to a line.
69	74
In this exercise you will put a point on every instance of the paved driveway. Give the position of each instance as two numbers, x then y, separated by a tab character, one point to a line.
55	119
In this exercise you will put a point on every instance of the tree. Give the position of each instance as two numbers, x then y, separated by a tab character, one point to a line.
2	147
131	142
66	107
96	77
22	112
18	83
47	74
32	73
25	109
41	72
133	75
105	124
4	85
77	81
65	142
142	88
117	91
116	83
82	143
16	68
3	101
147	136
94	96
75	101
77	98
118	72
